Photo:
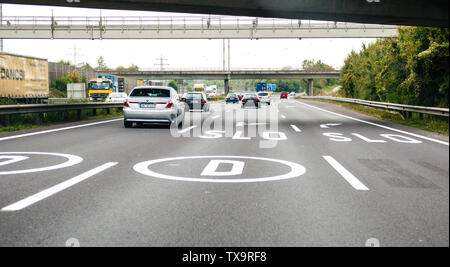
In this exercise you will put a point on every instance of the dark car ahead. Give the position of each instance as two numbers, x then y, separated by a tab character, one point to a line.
284	95
196	101
250	100
232	98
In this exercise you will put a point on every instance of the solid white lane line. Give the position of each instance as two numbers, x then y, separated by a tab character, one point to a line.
296	129
187	129
57	188
378	125
57	130
350	178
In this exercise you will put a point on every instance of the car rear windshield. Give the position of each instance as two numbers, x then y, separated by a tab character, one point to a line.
194	96
150	92
263	94
251	96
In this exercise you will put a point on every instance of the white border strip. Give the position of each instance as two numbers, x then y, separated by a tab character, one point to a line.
350	178
57	188
57	130
378	125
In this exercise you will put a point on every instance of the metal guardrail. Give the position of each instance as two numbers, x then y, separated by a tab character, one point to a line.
8	110
444	112
65	100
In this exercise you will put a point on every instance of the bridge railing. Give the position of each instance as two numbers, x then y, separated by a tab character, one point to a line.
404	109
172	22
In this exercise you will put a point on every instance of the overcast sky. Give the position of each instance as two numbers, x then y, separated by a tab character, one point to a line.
199	54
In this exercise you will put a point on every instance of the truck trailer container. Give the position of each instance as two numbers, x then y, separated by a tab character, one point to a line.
23	78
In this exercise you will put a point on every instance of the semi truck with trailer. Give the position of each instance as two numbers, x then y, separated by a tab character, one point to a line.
23	78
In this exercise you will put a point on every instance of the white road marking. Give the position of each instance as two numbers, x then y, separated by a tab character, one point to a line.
187	129
12	159
215	117
350	178
57	130
296	170
282	116
296	129
213	165
368	140
378	125
57	188
327	126
71	161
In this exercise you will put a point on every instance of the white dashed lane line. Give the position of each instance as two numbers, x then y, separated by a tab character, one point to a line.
350	178
296	128
57	188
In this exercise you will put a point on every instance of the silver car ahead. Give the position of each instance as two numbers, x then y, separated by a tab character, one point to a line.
153	104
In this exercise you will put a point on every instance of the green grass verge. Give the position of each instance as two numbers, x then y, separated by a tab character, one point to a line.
430	123
27	121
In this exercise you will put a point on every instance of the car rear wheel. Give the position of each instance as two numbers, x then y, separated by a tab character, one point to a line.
127	124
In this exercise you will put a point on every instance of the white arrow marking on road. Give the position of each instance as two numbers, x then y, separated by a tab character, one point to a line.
11	159
327	126
350	178
57	188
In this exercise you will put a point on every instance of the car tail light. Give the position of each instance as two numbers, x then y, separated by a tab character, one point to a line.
170	105
227	98
203	101
256	100
185	101
244	100
125	104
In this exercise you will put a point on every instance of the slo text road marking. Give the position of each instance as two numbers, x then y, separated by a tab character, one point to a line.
351	179
378	125
57	188
296	129
57	130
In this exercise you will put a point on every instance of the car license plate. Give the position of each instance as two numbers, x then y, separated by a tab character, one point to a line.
148	105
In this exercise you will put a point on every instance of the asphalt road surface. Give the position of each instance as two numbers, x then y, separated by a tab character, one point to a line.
296	173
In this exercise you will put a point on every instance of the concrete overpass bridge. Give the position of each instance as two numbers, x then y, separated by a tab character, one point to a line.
226	76
182	27
434	13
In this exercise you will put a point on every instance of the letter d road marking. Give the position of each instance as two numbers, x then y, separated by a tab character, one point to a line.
213	165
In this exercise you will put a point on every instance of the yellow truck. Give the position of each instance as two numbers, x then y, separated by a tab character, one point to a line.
100	88
199	88
23	78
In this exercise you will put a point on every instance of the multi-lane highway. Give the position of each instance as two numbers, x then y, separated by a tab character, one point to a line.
297	173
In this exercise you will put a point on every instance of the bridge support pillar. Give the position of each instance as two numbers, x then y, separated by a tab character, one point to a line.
310	87
180	86
227	86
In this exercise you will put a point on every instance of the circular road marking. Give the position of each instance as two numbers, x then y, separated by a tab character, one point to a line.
71	160
296	170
